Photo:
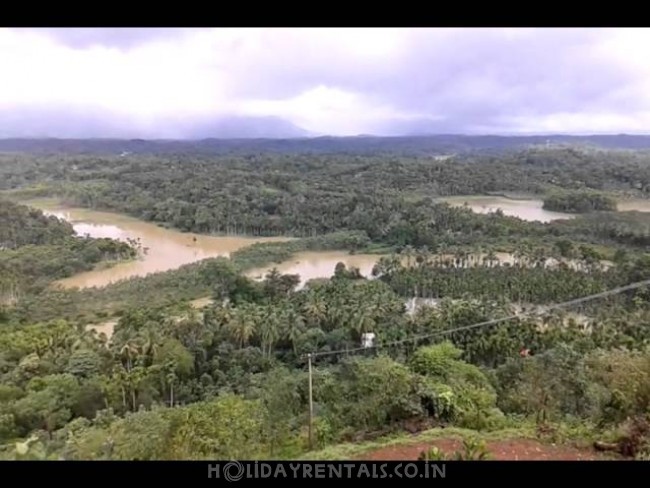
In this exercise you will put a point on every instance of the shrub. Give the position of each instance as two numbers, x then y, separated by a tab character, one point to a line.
473	450
432	454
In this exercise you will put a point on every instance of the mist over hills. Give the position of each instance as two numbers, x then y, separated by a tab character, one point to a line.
74	130
78	124
404	145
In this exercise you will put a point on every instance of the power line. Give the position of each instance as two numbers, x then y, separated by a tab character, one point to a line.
556	306
414	339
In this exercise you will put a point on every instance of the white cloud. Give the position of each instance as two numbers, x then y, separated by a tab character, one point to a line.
340	81
328	110
578	123
158	78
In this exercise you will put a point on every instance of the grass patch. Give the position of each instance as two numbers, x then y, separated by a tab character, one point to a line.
514	428
351	450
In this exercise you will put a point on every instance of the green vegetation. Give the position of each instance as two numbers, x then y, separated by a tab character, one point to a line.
389	199
22	226
165	289
36	250
579	202
473	450
230	381
243	358
536	278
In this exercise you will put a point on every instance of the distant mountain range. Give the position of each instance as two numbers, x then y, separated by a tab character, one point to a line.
73	130
243	128
412	145
50	123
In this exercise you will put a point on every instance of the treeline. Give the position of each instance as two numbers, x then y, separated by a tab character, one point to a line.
536	275
527	285
21	225
390	198
164	289
235	374
527	170
271	424
579	202
359	145
230	381
621	229
38	249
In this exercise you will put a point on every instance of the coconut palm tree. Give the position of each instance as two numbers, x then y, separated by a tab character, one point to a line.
129	353
268	329
315	309
422	256
242	326
150	343
492	258
294	326
408	252
362	321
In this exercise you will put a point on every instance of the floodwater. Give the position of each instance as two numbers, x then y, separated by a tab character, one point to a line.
319	264
528	209
169	249
637	204
106	328
165	248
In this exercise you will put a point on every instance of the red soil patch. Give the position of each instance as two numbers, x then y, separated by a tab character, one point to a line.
503	450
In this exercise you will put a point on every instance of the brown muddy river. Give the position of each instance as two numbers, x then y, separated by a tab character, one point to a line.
638	204
531	209
166	249
169	249
524	209
310	265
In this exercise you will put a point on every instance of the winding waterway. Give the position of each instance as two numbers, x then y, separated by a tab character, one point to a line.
165	248
524	209
169	249
320	264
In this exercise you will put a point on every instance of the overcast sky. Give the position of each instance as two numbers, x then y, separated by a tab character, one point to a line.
330	81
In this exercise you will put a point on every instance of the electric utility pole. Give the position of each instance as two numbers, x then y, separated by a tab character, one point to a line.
311	407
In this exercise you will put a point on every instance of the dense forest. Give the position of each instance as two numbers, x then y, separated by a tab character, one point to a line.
230	381
234	373
523	284
579	202
36	249
392	199
361	145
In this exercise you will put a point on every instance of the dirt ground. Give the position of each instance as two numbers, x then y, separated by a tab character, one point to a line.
505	450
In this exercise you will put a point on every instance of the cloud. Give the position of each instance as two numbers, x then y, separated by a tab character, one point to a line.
113	37
336	81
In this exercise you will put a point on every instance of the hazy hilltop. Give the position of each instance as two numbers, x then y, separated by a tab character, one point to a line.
324	244
56	128
245	136
76	124
247	127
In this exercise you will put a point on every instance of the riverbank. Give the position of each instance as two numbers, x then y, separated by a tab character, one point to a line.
525	209
163	249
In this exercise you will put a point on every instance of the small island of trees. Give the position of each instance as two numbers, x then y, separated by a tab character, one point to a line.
579	202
